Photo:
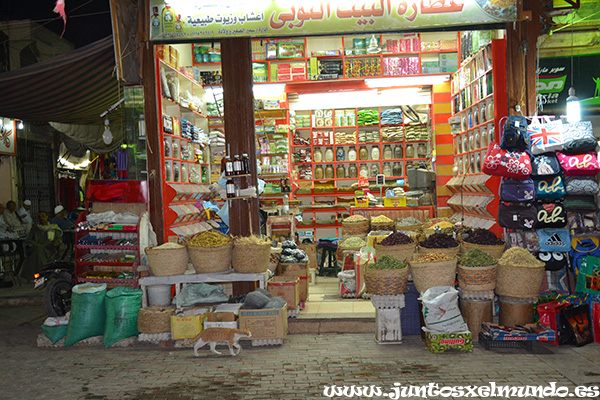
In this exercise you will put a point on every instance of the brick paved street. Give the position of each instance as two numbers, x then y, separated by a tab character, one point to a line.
297	370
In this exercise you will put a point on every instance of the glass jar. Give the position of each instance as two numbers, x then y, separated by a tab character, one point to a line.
184	174
363	153
329	171
329	155
410	151
175	150
168	172
364	171
167	148
484	137
374	170
491	134
340	154
175	172
477	140
319	173
317	155
421	150
340	171
398	152
387	169
387	152
397	170
375	154
490	110
352	154
352	171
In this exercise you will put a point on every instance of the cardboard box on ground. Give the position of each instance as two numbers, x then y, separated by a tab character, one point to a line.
287	287
299	270
271	323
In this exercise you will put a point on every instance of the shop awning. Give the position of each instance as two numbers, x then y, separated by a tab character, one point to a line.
72	88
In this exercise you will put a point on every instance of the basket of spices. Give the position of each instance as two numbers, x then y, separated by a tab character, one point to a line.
386	277
382	223
397	245
350	244
439	243
251	254
434	269
477	271
355	225
482	239
409	224
167	259
520	274
210	252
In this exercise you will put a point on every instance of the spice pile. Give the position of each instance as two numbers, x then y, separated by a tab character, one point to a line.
433	257
476	258
395	239
519	257
169	245
387	262
251	240
439	241
381	219
353	242
355	218
408	221
210	239
481	236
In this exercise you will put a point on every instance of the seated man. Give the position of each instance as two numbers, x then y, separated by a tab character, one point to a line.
44	239
12	219
25	216
66	225
6	232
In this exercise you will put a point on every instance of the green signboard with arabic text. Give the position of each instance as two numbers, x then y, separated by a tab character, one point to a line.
188	19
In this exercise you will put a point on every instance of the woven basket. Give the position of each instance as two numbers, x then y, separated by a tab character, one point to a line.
386	282
521	282
400	252
155	319
166	262
426	275
494	251
251	258
477	278
409	228
339	253
355	228
451	251
383	226
211	259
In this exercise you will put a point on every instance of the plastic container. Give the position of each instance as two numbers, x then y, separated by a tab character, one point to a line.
317	155
421	150
340	154
374	170
375	154
364	171
388	153
329	156
340	171
319	172
410	151
363	153
352	154
329	171
159	295
397	169
352	171
387	170
398	152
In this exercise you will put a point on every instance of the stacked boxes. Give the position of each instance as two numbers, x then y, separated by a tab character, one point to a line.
299	270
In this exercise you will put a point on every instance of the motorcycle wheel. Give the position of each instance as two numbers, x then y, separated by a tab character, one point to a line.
57	298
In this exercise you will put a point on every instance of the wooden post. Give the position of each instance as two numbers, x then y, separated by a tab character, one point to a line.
238	103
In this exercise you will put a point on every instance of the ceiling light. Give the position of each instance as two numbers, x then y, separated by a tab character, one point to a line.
20	125
107	136
573	108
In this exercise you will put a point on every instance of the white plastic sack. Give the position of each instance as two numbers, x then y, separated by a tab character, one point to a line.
348	279
441	312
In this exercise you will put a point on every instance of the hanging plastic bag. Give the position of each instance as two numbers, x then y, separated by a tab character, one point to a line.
122	308
588	278
576	320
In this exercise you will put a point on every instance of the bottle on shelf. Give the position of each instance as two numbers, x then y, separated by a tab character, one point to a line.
397	169
317	155
363	153
352	171
167	148
286	204
230	188
184	173
374	170
329	171
364	171
329	154
352	154
175	172
340	154
245	164
387	169
421	150
410	151
168	172
228	166
398	152
319	173
175	150
375	153
237	165
387	152
340	171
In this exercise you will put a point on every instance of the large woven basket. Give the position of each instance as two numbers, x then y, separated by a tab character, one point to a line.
386	282
521	282
494	251
251	258
477	278
166	262
409	228
426	275
339	253
355	228
155	319
450	251
383	226
211	259
400	252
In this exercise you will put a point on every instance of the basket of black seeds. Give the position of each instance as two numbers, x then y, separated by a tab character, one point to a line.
482	239
397	245
440	243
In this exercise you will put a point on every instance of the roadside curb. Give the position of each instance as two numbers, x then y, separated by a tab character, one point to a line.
21	301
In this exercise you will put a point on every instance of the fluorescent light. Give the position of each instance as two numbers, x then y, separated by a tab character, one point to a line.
406	81
362	98
268	90
573	108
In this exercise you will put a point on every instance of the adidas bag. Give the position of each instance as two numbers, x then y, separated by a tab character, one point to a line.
554	239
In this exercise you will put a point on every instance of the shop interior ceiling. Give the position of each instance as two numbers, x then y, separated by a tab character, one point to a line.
582	23
71	91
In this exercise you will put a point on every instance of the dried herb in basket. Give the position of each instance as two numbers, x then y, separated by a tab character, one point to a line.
439	241
387	262
395	239
476	258
481	236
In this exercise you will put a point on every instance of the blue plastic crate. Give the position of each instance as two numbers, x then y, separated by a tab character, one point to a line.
410	319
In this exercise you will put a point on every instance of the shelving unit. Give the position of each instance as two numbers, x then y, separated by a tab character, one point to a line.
479	101
107	261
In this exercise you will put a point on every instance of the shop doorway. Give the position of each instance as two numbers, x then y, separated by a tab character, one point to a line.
35	163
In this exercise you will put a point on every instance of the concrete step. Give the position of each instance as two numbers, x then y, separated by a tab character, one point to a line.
331	325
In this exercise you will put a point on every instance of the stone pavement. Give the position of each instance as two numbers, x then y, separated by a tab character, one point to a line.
299	369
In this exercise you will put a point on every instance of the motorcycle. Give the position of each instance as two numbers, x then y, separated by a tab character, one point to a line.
58	279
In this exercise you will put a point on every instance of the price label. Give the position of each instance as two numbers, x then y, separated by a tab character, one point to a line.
380	179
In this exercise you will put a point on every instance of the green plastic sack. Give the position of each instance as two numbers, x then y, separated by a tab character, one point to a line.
87	312
122	308
588	276
54	333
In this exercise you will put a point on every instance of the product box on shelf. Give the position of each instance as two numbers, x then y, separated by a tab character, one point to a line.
394	202
287	287
269	323
220	320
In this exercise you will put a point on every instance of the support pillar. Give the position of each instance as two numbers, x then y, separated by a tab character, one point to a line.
238	103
